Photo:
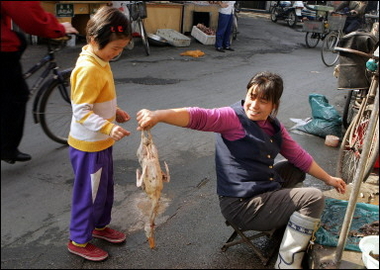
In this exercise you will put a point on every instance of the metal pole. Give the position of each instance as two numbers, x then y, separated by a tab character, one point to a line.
358	178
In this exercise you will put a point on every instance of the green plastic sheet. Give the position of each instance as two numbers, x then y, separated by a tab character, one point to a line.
332	221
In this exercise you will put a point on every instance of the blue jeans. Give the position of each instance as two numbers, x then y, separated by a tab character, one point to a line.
224	31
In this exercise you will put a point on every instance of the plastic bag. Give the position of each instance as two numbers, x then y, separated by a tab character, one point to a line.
325	118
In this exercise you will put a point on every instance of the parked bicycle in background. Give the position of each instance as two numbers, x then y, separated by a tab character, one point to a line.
52	105
360	144
136	12
235	20
351	71
328	26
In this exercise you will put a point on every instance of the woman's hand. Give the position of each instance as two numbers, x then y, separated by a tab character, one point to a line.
337	183
145	119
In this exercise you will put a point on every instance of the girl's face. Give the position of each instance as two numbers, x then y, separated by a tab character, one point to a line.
111	50
257	108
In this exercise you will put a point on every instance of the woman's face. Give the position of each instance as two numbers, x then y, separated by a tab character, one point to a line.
111	50
257	108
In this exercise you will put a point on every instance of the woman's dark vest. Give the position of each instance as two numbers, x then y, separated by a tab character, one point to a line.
244	167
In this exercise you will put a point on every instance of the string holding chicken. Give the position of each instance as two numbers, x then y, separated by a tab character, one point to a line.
150	179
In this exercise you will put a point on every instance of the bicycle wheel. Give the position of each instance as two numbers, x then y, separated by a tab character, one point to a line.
292	19
144	37
273	14
312	39
353	143
55	109
351	107
329	54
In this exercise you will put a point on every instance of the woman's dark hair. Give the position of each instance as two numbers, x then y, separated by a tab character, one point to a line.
108	24
269	86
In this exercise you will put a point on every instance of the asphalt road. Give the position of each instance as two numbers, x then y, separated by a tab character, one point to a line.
36	195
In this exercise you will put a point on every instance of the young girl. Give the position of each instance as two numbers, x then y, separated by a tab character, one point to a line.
254	193
93	133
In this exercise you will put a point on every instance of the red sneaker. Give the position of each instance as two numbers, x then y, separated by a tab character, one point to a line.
89	252
109	235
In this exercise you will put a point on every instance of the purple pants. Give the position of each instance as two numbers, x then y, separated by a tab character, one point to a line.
93	193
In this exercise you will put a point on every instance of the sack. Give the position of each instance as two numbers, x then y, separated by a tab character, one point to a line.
325	118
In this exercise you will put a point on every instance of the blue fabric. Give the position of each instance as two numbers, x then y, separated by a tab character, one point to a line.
223	32
332	219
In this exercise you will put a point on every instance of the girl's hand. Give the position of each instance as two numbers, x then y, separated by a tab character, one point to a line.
122	116
118	133
145	119
338	184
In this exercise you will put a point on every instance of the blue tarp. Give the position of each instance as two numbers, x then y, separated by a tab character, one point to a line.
332	220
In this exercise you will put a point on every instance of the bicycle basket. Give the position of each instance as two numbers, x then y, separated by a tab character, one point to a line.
137	10
336	23
313	26
142	10
133	11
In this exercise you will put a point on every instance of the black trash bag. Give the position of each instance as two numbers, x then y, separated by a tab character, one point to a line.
325	118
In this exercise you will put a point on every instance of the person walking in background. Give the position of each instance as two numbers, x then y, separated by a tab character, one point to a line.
255	193
355	11
93	133
32	19
223	32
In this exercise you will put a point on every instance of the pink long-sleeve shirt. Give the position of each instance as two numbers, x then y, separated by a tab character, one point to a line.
225	121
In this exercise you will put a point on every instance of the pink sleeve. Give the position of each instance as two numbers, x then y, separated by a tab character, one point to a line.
221	120
226	122
293	152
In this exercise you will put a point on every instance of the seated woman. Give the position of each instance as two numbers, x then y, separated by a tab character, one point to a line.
255	193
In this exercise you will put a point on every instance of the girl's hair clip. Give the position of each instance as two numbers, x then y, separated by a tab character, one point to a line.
117	29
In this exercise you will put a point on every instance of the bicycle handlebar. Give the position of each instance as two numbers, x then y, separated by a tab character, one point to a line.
356	52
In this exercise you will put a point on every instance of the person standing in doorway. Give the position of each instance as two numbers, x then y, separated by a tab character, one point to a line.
32	19
223	32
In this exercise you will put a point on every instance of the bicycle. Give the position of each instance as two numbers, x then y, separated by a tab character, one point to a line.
52	105
315	24
327	26
363	132
235	29
352	70
336	24
136	12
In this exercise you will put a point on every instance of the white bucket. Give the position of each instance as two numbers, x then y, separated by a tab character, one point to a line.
367	245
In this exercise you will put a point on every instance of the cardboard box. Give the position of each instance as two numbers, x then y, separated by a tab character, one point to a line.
202	37
174	37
